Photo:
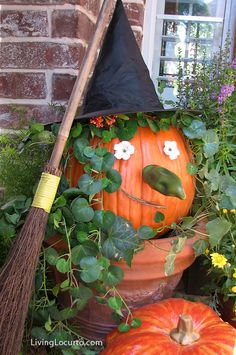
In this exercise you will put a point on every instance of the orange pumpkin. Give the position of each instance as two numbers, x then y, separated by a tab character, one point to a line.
148	150
167	324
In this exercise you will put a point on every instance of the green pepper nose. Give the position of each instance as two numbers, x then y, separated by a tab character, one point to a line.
164	181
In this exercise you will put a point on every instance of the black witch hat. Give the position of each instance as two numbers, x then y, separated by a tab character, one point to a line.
120	82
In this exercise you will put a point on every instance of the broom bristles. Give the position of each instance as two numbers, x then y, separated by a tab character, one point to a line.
17	279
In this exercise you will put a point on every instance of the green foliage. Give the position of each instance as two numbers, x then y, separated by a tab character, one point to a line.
207	100
23	155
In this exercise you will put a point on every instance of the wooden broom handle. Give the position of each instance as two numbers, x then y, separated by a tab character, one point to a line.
80	85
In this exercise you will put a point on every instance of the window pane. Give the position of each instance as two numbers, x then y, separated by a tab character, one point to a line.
187	36
195	7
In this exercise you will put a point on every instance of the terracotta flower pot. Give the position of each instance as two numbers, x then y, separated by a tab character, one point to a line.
144	283
227	312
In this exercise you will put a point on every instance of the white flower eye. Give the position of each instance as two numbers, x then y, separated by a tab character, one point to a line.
171	149
123	150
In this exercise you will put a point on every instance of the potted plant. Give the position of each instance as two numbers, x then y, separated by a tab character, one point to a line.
209	93
129	180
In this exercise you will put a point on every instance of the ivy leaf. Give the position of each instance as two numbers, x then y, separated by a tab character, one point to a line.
89	152
59	202
88	248
114	303
146	232
79	145
76	130
102	163
107	136
128	131
81	210
120	238
153	125
115	181
6	230
63	265
124	328
90	269
12	218
195	130
51	256
200	246
101	151
179	244
211	143
60	335
104	219
216	229
39	333
170	262
88	185
72	192
67	313
136	323
65	284
82	293
113	276
192	169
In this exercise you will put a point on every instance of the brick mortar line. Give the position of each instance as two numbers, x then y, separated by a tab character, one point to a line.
44	8
40	71
49	16
48	80
62	40
139	2
40	102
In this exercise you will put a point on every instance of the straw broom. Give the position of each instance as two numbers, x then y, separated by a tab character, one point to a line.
17	275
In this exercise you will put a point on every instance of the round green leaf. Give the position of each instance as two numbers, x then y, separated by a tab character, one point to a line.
81	210
127	131
71	192
123	328
104	219
63	265
83	293
82	236
101	151
192	169
88	248
76	130
79	145
89	152
113	276
115	180
90	269
136	322
88	185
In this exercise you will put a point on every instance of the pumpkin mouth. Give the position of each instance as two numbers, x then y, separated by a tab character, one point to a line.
184	333
142	201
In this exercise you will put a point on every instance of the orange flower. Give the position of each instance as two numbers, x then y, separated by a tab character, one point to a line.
97	121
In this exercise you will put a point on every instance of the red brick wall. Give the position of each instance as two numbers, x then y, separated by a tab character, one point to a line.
43	44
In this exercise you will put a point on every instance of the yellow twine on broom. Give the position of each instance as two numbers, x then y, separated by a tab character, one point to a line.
46	192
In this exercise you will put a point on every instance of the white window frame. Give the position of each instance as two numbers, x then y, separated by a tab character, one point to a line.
151	52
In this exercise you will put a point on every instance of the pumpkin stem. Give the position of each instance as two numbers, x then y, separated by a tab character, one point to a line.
184	333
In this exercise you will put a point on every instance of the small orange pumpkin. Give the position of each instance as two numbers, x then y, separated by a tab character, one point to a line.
149	149
174	326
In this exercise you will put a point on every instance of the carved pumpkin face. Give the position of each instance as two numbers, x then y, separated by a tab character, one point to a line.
135	198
